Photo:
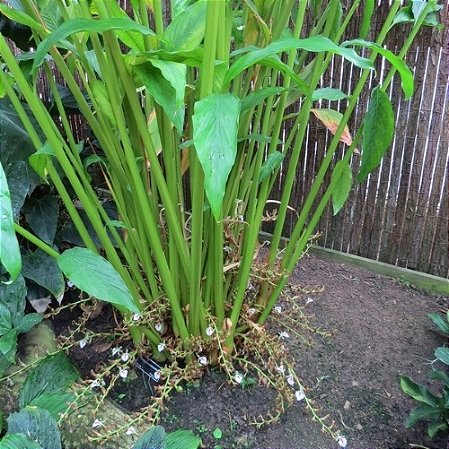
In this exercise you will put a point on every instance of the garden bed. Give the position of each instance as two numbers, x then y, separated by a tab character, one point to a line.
379	331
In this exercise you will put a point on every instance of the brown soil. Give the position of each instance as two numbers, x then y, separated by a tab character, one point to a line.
379	331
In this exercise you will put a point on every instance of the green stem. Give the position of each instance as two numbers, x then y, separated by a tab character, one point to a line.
36	241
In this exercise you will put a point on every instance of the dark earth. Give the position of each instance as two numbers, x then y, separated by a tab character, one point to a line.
378	330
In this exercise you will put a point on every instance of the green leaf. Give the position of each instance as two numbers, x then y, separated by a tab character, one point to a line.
52	374
40	158
441	376
441	323
21	17
272	162
186	31
38	424
55	403
215	127
94	275
405	72
442	354
182	439
152	439
44	270
378	131
18	441
366	19
28	321
73	26
19	185
166	82
257	97
101	98
342	189
9	246
5	319
315	44
8	344
418	392
217	433
328	93
12	296
42	216
434	428
421	413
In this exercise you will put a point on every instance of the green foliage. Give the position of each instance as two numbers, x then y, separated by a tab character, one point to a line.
157	438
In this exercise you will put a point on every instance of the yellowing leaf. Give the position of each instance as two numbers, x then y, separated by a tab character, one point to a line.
331	120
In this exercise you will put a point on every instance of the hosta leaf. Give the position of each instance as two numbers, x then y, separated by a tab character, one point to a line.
378	131
421	413
441	376
78	25
442	354
42	216
9	246
52	374
441	323
271	164
343	186
94	275
38	424
418	392
215	126
182	439
18	441
152	439
331	120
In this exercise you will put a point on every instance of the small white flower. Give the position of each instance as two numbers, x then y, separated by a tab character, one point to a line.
284	335
251	311
209	331
299	395
116	350
70	284
342	441
278	309
96	423
309	300
157	375
125	356
290	380
123	373
158	327
83	343
94	384
161	347
238	377
240	27
280	369
131	431
202	360
137	317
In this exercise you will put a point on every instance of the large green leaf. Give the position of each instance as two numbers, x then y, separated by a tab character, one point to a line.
19	185
94	275
9	246
5	319
441	323
395	61
8	344
343	186
435	428
44	270
13	297
441	376
186	31
182	439
42	216
78	25
418	392
28	321
38	424
21	17
314	44
152	439
422	413
215	127
18	441
53	374
378	131
442	354
166	82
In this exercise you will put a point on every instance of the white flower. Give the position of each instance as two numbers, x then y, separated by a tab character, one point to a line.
137	317
280	369
202	360
94	384
123	373
278	309
238	377
290	380
131	431
284	335
342	441
125	356
241	27
96	423
157	375
158	327
299	395
309	300
209	331
251	311
116	350
161	347
83	343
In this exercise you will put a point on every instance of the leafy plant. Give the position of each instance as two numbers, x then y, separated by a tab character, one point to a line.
157	438
432	408
187	118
